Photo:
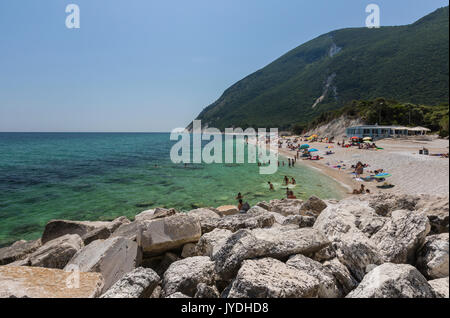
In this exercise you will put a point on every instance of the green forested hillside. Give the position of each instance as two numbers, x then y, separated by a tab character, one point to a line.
405	63
386	112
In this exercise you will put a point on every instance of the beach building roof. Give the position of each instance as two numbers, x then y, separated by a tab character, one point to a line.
382	127
419	129
392	127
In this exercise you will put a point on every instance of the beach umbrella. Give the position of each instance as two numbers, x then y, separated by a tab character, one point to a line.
354	138
314	136
313	150
367	138
304	146
329	147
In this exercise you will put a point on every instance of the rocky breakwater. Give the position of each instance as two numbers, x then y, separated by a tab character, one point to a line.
379	246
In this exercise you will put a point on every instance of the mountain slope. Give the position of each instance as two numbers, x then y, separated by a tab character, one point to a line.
407	63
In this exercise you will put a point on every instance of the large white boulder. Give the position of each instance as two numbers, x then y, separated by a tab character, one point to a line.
353	247
227	210
18	251
183	276
277	242
436	208
328	286
440	287
251	220
432	258
313	205
157	213
38	282
58	228
56	253
205	291
300	220
358	254
138	283
161	235
113	258
205	217
344	279
212	241
270	278
401	236
393	281
286	207
127	230
386	203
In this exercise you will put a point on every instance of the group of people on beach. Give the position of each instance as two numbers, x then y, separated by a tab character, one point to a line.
291	162
361	190
359	168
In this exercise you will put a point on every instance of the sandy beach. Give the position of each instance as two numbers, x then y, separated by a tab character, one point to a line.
412	173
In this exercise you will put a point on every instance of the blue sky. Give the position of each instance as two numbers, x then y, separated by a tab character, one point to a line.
147	65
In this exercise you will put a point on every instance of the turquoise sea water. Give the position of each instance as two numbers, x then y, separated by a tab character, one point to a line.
99	176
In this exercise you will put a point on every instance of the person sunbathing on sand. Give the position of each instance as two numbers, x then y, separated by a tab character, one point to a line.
362	190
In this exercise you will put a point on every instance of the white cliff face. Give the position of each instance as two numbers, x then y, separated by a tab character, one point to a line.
336	127
334	49
328	85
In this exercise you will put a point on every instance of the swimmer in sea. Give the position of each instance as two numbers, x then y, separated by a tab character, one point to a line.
290	195
271	188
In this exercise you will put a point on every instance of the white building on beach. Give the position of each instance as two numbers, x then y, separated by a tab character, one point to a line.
376	131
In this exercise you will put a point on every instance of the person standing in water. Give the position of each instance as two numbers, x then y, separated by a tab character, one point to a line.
271	188
291	195
243	207
293	181
240	205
